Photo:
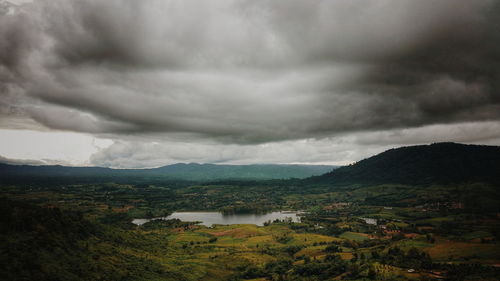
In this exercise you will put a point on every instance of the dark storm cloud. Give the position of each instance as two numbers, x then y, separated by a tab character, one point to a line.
250	71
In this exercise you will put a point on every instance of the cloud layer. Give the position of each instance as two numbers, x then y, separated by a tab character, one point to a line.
339	150
248	71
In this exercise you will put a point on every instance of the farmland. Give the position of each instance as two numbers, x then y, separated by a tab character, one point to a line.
333	241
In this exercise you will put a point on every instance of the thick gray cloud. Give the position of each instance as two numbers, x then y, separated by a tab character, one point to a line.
140	153
249	71
10	161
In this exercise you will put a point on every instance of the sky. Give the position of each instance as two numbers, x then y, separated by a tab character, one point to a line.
133	84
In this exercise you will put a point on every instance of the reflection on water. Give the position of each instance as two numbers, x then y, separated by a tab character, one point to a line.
210	218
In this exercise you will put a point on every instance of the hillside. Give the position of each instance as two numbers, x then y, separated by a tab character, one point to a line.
423	164
191	172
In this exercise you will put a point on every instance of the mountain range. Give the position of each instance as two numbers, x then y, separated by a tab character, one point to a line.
423	164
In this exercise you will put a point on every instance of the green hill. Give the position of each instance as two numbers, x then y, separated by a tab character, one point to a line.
423	164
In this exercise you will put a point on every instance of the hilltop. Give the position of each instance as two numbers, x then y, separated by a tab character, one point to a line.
423	164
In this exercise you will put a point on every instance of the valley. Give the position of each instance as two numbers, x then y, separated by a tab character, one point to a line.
54	230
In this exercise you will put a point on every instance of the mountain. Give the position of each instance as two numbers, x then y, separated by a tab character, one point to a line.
422	164
215	172
191	172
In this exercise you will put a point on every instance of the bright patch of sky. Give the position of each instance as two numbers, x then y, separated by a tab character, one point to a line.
64	147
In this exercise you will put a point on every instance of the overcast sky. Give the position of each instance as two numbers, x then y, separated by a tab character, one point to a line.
148	83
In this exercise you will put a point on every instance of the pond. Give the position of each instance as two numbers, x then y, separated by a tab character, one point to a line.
370	221
210	218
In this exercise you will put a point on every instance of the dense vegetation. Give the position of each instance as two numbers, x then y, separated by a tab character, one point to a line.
426	164
80	229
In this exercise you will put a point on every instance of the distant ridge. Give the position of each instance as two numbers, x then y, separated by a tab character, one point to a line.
180	171
422	164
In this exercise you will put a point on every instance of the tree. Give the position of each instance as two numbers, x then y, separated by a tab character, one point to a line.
332	249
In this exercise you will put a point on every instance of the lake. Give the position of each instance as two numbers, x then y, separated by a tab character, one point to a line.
210	218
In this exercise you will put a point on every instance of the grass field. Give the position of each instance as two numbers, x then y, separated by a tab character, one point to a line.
356	236
460	251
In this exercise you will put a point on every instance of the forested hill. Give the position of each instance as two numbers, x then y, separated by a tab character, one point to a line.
423	164
190	172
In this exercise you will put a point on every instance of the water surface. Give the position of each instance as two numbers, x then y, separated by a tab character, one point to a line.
370	221
211	218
